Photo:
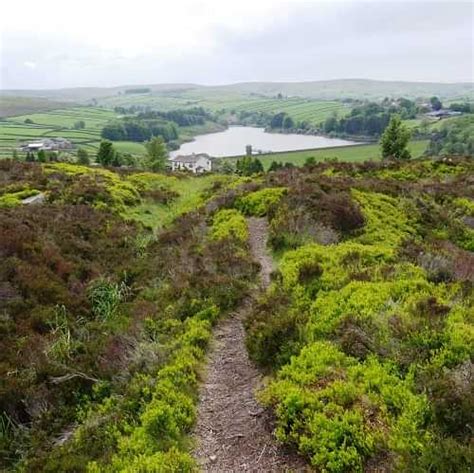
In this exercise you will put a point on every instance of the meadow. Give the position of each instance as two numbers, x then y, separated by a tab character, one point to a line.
356	153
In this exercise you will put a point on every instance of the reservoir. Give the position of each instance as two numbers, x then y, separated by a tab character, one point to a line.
232	142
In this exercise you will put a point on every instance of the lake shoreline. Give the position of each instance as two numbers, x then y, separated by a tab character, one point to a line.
360	139
232	142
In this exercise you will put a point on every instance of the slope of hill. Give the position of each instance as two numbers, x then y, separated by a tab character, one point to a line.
111	288
12	106
324	90
355	88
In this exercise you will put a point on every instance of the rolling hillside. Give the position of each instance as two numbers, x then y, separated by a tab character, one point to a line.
323	90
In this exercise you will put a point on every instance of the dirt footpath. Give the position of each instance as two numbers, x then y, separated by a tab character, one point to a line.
233	433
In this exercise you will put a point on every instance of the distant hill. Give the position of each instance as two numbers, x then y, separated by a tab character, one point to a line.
356	88
11	106
84	94
324	90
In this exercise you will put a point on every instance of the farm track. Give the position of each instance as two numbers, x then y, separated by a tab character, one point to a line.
233	432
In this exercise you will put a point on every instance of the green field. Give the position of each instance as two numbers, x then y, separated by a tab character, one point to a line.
60	123
299	109
343	153
313	111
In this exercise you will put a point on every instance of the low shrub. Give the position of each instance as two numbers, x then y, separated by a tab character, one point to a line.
12	199
258	203
371	345
273	331
340	413
229	223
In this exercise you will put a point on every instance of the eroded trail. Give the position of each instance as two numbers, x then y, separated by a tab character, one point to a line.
233	432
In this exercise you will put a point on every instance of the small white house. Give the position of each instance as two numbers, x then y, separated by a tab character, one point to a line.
196	163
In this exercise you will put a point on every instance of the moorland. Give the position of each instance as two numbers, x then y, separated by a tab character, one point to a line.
341	280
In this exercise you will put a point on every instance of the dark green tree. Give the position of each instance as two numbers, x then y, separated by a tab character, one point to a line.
257	166
330	124
157	154
117	160
288	122
277	120
248	166
83	156
275	166
106	153
80	125
114	131
41	156
395	139
436	103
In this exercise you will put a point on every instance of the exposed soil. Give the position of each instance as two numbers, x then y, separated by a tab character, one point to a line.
233	432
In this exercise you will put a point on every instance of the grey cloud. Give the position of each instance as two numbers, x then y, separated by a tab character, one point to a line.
383	40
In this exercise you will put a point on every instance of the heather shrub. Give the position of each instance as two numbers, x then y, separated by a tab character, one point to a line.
388	220
157	187
311	214
371	345
273	331
148	181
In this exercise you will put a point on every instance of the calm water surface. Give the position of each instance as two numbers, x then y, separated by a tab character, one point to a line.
232	142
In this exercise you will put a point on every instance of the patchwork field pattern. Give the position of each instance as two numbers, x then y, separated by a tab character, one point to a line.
299	109
58	123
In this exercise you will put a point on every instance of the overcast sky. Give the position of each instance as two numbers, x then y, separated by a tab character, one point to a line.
61	43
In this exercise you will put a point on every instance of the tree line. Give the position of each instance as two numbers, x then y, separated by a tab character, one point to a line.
455	137
182	117
139	130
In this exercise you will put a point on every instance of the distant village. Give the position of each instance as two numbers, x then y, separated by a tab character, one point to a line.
47	144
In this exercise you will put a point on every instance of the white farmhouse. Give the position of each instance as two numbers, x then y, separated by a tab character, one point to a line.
196	163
